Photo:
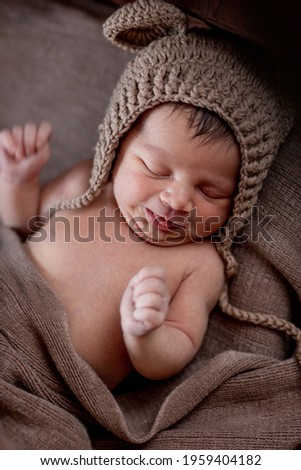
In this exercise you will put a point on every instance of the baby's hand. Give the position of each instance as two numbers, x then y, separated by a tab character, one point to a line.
23	152
145	302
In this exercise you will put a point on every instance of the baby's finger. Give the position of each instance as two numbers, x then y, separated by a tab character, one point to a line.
29	138
152	284
150	318
17	132
42	155
149	272
43	134
151	300
7	142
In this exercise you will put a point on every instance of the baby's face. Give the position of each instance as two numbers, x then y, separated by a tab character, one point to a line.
173	188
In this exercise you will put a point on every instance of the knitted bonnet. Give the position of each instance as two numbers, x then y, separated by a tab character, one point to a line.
173	64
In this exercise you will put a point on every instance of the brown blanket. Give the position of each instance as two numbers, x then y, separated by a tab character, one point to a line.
242	391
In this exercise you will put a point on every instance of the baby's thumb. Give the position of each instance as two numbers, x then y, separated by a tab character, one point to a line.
126	304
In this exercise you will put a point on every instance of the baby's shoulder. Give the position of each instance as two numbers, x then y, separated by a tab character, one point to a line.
202	251
203	260
205	273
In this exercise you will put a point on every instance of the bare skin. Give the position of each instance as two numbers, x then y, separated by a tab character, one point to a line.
135	295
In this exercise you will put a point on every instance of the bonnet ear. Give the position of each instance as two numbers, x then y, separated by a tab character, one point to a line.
137	24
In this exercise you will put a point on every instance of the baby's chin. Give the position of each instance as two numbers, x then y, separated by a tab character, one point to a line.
169	239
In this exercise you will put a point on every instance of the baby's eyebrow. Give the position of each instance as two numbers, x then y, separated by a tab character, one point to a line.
156	150
222	185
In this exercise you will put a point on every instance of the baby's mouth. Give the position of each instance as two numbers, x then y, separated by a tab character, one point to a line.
166	224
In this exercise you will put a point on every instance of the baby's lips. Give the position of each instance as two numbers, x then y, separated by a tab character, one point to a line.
180	220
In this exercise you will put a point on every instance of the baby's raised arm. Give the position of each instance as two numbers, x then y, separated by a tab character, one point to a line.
24	151
161	334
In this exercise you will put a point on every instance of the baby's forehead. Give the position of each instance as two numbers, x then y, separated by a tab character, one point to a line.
201	123
166	136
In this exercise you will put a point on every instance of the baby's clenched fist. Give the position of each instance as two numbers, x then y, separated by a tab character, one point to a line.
145	303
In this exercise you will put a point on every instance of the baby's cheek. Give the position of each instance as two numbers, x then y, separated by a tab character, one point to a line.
224	214
216	215
139	189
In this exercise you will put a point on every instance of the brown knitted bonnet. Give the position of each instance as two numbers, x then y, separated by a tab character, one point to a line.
173	64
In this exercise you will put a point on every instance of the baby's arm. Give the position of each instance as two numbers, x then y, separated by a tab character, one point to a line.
24	151
162	335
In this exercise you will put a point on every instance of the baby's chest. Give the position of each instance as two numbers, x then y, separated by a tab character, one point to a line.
93	273
108	268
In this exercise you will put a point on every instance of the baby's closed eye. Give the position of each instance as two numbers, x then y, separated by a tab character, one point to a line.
213	192
155	170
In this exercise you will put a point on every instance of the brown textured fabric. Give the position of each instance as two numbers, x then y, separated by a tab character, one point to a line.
242	391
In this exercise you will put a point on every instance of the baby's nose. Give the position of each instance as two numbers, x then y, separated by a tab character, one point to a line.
177	198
